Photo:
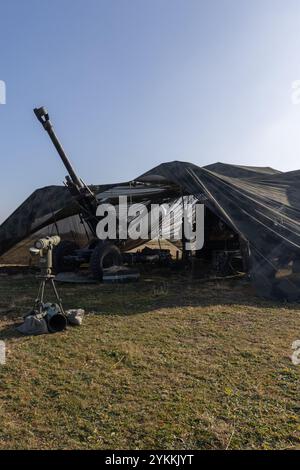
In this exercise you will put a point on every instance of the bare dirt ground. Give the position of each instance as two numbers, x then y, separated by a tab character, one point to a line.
167	363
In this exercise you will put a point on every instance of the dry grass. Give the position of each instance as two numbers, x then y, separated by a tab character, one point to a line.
166	363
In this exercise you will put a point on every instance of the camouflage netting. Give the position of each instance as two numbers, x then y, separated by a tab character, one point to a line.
261	204
46	211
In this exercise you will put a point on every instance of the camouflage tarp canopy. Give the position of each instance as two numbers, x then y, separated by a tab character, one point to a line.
261	204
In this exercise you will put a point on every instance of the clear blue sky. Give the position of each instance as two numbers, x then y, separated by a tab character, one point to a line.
132	83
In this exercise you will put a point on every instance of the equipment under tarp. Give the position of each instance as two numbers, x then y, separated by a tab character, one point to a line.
262	205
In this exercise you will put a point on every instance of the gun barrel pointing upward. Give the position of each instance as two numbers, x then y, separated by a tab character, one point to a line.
43	116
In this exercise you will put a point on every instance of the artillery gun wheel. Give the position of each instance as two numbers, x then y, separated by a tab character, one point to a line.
65	248
104	256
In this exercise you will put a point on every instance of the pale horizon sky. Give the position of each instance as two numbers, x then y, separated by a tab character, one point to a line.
133	83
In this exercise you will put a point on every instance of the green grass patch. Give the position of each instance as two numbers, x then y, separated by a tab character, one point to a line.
166	363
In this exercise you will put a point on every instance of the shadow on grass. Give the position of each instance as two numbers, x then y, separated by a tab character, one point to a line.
153	292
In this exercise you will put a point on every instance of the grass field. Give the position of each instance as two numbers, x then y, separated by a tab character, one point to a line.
166	363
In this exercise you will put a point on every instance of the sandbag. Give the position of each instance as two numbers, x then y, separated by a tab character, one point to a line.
33	325
75	316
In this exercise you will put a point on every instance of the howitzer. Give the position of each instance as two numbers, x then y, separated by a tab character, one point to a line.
79	190
68	255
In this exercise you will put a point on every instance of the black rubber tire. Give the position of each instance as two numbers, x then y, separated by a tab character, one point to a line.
64	248
104	255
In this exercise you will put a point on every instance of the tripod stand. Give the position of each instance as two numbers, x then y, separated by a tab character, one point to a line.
46	276
39	301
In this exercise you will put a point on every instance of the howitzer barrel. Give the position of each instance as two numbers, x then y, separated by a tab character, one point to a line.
43	117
